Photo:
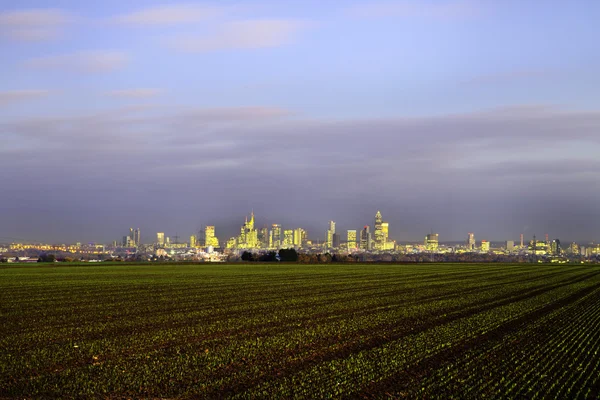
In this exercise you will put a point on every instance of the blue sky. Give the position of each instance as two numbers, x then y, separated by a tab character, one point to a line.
143	98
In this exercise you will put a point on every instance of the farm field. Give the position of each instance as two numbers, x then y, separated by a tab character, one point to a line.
307	331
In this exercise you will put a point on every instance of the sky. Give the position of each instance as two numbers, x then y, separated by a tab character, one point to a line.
449	116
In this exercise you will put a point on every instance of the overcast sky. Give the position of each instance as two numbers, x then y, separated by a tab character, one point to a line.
448	116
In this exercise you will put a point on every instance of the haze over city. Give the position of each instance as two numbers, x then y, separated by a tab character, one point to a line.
448	116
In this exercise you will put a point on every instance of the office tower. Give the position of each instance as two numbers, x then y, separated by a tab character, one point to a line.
379	241
351	239
288	238
336	241
299	237
263	238
329	234
574	248
431	242
485	246
471	241
275	236
510	245
160	238
385	230
248	238
125	241
209	237
555	247
365	239
193	241
168	241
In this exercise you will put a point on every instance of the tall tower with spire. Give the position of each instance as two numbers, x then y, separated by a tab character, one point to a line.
379	234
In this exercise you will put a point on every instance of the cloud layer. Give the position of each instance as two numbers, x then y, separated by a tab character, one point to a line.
33	24
489	171
85	61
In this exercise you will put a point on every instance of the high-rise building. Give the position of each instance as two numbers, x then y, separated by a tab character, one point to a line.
193	241
137	237
379	240
275	236
385	230
263	238
329	234
351	239
432	242
160	238
510	245
522	243
299	237
471	241
209	237
248	238
574	248
365	239
555	247
288	238
336	241
485	246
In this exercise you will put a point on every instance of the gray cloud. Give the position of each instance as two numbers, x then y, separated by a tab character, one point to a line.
11	96
488	172
183	13
136	93
85	61
444	9
250	34
34	24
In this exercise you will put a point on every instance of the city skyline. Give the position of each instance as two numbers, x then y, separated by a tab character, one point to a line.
448	115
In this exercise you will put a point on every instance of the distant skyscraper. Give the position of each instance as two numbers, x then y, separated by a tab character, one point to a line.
248	238
471	241
336	241
275	236
263	238
299	237
485	246
555	247
432	242
351	239
160	238
288	238
510	245
379	240
365	238
330	233
209	237
193	241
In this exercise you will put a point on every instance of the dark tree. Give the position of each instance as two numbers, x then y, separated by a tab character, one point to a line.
288	255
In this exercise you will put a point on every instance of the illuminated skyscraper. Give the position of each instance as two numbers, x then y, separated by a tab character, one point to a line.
385	230
263	238
351	240
299	237
248	238
288	238
379	241
471	241
330	233
275	236
193	241
160	238
485	246
365	238
555	248
209	237
431	242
